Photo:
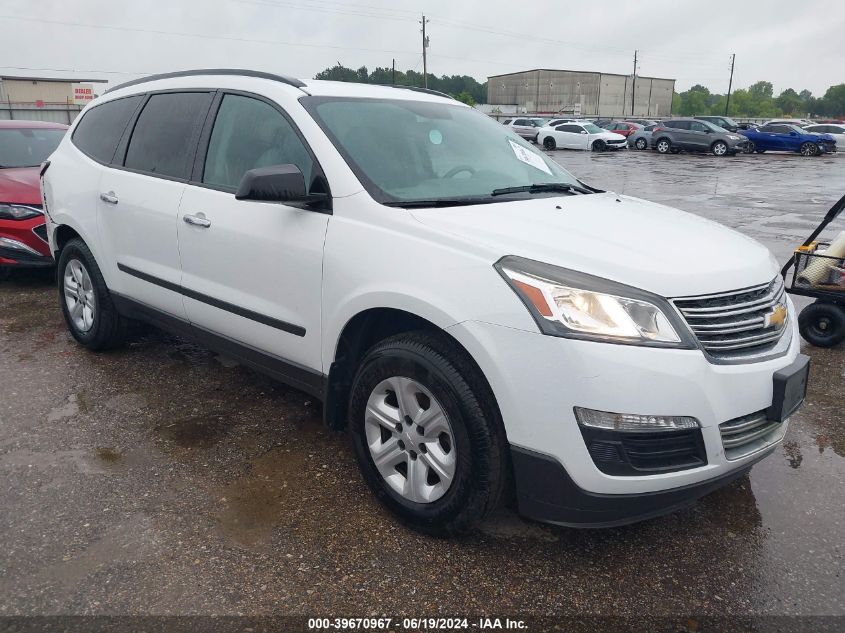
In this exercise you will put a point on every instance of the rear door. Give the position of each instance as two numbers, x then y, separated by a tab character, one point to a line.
523	127
680	133
252	271
139	198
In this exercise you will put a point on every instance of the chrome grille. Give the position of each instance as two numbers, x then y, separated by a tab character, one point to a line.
748	434
732	323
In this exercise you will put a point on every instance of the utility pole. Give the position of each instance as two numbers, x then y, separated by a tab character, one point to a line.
394	71
425	46
730	84
634	85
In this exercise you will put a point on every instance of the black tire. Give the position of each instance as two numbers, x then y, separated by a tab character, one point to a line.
749	148
549	143
109	328
663	146
479	439
598	145
809	149
641	143
719	148
822	324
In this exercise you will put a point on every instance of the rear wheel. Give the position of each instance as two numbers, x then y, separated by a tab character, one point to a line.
599	145
427	434
822	324
549	143
719	148
85	300
809	149
641	143
663	146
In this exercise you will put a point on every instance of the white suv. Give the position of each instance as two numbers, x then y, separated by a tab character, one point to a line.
479	319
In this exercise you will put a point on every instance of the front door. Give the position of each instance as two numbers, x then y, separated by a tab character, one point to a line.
252	271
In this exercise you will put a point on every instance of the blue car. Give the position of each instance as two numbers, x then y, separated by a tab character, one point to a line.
780	137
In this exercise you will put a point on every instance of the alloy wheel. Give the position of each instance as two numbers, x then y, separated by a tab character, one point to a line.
720	148
640	143
410	439
79	295
663	146
809	149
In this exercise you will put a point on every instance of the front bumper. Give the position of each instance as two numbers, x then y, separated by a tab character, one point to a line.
538	380
545	492
23	243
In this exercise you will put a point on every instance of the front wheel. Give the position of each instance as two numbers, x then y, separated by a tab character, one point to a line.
822	324
719	148
809	149
549	143
663	146
599	146
427	434
85	300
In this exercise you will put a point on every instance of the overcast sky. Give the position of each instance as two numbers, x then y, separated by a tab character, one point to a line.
793	45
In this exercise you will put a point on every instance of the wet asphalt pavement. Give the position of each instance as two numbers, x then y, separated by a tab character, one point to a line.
164	479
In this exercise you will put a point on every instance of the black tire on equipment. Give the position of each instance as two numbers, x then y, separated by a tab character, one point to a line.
822	324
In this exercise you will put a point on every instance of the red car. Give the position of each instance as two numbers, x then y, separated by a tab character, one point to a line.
624	128
24	145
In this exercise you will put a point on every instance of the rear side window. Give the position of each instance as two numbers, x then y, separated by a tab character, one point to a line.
678	125
99	131
570	128
249	133
164	135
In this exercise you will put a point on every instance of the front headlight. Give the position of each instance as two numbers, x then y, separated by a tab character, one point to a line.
576	305
734	137
18	212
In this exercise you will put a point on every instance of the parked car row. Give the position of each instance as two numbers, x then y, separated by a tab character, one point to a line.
721	136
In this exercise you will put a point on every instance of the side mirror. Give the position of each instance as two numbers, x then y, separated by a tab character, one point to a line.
276	183
583	131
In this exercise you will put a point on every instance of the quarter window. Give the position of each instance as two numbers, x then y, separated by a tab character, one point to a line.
249	133
100	129
163	138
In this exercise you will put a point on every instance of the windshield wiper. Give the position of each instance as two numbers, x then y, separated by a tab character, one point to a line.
436	202
542	188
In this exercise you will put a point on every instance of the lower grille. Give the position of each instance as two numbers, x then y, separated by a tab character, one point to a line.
643	453
740	322
748	434
41	231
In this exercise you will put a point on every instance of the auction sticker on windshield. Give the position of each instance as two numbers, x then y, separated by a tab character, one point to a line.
529	158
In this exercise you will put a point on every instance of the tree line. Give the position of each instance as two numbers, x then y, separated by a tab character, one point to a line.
759	101
462	87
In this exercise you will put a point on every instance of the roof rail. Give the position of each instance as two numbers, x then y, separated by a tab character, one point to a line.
291	81
418	89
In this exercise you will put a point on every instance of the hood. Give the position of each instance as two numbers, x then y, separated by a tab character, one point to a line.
20	185
632	241
609	136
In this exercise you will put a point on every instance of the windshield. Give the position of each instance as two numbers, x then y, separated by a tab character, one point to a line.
593	129
27	147
417	151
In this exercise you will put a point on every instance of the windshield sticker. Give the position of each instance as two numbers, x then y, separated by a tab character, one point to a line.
435	137
529	158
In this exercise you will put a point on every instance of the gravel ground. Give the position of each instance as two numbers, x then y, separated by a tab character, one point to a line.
164	479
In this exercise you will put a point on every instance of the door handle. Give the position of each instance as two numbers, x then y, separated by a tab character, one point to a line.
109	197
197	220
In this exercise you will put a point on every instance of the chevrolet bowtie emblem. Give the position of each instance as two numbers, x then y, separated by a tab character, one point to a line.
777	317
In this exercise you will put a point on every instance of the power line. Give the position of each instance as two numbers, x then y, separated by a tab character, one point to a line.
203	36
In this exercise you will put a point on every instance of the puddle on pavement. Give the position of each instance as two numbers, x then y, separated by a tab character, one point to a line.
253	506
201	431
108	455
